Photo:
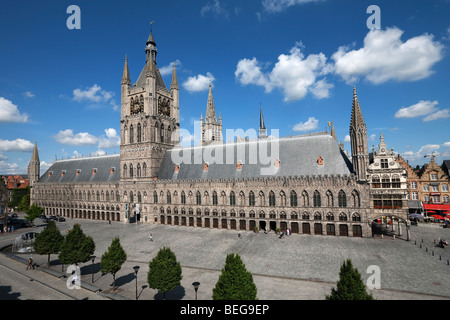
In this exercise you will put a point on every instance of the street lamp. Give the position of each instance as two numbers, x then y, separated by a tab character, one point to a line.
92	259
196	284
136	269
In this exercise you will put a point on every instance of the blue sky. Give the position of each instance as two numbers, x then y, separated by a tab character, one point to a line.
297	59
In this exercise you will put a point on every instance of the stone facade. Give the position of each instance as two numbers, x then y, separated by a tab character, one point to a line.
313	189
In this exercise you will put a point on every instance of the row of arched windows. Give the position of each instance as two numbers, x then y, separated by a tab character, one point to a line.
135	134
329	216
130	171
260	200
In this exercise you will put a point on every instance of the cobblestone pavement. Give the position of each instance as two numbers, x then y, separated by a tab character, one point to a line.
297	267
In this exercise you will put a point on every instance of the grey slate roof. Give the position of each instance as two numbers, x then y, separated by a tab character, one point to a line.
69	167
297	155
159	80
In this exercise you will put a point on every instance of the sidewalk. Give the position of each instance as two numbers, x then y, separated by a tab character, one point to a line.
297	267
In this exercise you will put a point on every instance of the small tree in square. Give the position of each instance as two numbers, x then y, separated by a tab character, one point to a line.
76	247
235	282
165	272
350	285
113	259
49	240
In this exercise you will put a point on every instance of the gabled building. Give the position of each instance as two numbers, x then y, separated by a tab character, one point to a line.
306	183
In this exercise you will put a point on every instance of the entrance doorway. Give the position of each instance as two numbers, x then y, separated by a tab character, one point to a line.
262	225
273	225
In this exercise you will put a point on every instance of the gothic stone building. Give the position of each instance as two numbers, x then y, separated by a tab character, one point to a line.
305	183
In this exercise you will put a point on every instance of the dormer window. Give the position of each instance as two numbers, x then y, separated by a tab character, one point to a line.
78	172
94	171
112	170
63	172
205	167
239	165
177	168
320	161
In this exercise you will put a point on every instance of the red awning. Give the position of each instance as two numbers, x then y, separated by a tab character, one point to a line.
434	206
431	211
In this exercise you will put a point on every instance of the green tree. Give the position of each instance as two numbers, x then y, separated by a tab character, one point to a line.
350	285
235	282
113	259
24	204
49	240
16	196
76	247
165	272
33	212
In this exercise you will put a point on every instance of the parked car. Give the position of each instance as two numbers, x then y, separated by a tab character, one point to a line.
14	215
62	219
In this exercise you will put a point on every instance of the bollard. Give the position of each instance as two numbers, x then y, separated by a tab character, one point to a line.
440	258
447	262
415	242
426	249
420	246
432	253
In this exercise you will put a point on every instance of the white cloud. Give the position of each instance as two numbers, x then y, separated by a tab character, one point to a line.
10	113
198	83
168	69
386	57
95	94
9	168
347	138
274	6
79	139
423	151
372	137
309	125
421	108
441	114
447	144
112	140
214	7
16	145
109	140
28	94
294	74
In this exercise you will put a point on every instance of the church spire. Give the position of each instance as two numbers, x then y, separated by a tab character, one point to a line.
174	84
210	108
357	117
126	73
333	133
358	140
262	126
34	166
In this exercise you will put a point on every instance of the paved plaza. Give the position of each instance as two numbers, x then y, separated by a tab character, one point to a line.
297	267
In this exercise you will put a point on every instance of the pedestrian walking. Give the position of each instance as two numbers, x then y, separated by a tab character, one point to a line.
150	237
30	263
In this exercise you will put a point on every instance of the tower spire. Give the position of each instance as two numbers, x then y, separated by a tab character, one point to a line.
358	140
174	84
262	126
126	73
210	108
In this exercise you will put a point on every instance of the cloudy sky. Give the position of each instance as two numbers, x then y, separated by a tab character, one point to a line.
296	59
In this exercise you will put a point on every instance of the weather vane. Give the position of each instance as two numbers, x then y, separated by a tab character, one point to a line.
151	23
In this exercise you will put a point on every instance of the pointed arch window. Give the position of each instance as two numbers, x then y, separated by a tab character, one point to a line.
139	133
183	197
161	136
155	197
131	170
169	197
251	199
316	199
293	198
131	134
139	170
214	198
305	197
342	199
271	199
232	198
198	198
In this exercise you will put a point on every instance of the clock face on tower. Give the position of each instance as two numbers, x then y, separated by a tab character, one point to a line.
136	106
164	107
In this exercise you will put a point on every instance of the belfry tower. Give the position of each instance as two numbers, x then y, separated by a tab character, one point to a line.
211	128
149	119
358	141
34	166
